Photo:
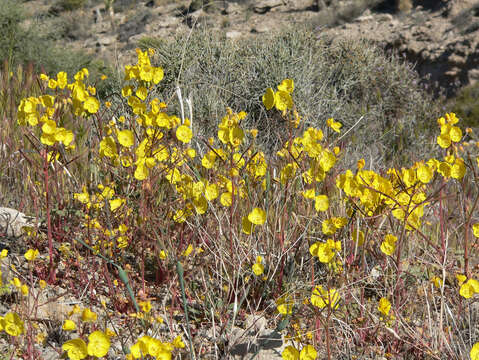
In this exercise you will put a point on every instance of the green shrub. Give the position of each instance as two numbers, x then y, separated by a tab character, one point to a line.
348	81
35	44
67	5
466	105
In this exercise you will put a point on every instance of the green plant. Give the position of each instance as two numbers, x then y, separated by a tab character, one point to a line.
69	5
466	105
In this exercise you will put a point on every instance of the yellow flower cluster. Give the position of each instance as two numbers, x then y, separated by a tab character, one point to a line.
12	324
308	352
322	298
384	307
326	252
117	236
467	288
98	346
45	110
147	345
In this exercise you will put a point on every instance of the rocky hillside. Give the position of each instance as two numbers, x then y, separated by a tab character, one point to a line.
440	37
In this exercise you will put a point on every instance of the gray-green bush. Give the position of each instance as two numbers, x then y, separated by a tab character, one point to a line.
377	97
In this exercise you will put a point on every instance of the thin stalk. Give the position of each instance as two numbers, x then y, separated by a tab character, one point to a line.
51	277
179	270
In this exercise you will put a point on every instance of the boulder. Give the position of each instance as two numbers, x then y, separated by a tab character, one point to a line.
12	222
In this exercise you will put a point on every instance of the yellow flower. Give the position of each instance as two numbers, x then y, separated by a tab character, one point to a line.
444	141
76	349
116	203
69	325
361	163
246	225
126	91
91	104
257	216
236	136
269	99
43	284
475	230
157	75
388	246
98	344
437	281
290	353
24	290
208	159
469	288
52	83
327	160
12	324
455	133
321	203
327	251
327	227
322	298
88	315
31	254
384	306
283	100
4	253
184	134
125	138
425	173
188	251
62	79
458	169
141	172
108	147
258	267
76	310
178	342
475	352
308	352
163	255
142	93
145	306
211	192
335	125
16	282
286	85
284	306
49	127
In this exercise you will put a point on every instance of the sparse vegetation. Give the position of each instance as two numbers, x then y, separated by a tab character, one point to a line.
285	179
466	105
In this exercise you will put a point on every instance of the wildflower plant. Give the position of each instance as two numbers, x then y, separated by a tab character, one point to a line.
293	235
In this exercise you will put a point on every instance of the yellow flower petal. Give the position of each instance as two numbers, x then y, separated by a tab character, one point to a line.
257	216
269	99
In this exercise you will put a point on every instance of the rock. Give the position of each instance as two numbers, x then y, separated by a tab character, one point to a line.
438	36
266	5
52	307
233	34
440	39
263	345
12	222
106	40
261	28
255	323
